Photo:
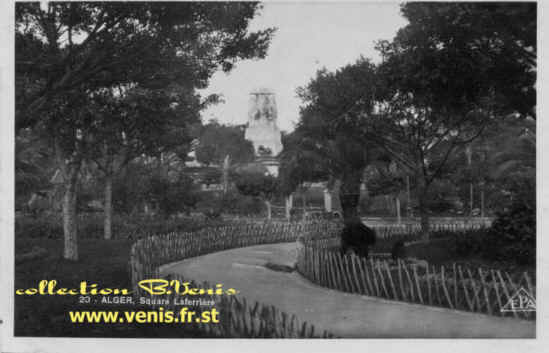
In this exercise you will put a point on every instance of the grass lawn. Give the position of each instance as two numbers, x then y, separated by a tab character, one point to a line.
102	262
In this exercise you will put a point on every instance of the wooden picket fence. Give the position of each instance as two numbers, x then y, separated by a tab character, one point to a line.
239	318
469	289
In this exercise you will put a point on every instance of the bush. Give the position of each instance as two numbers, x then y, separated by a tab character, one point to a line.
513	235
231	203
90	226
48	226
471	242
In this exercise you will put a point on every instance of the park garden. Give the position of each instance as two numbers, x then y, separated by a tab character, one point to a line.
429	158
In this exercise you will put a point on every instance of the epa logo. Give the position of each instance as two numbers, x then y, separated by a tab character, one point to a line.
521	301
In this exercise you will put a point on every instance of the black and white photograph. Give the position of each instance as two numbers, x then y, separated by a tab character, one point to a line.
200	170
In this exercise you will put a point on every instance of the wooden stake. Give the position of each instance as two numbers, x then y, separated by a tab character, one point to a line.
444	287
374	278
475	291
363	268
401	283
428	277
395	297
465	291
352	282
378	267
436	286
496	285
410	284
485	290
417	284
343	272
504	286
456	298
360	284
531	289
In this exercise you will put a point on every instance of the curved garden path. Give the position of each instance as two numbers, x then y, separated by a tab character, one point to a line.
343	314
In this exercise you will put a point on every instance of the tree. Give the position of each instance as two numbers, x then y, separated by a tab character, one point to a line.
512	163
170	196
224	146
33	166
384	177
468	55
255	180
217	141
299	162
335	108
135	122
447	75
66	51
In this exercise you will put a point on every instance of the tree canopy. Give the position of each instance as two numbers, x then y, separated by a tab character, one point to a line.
216	141
121	77
91	45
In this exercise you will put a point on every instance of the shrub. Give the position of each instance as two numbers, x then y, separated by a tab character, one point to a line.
471	242
43	226
513	235
358	237
90	226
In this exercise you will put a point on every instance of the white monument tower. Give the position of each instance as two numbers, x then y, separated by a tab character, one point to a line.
262	130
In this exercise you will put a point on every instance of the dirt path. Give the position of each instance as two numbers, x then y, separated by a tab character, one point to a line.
344	315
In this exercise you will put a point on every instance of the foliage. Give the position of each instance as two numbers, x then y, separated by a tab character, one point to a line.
299	162
211	176
358	237
63	46
256	182
139	121
171	196
33	166
513	235
237	203
384	177
216	141
447	76
501	165
510	239
513	164
466	56
90	226
71	56
328	135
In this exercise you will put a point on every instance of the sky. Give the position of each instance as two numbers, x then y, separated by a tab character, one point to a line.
309	36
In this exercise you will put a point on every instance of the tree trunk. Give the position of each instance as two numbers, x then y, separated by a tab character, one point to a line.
397	206
350	194
108	208
304	204
482	200
269	210
327	201
409	209
336	200
225	174
289	204
471	199
423	214
70	251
